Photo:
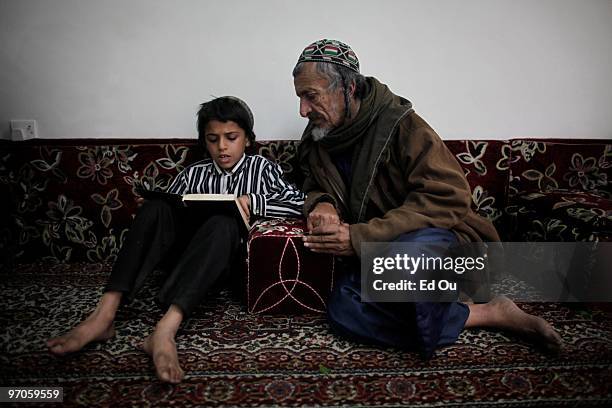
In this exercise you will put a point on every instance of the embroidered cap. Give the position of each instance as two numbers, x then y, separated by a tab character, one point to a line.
333	51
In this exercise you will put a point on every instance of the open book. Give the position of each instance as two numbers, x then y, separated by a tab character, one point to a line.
209	203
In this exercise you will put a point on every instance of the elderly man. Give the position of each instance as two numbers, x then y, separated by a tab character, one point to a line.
377	172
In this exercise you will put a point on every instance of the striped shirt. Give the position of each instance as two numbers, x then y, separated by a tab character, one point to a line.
271	195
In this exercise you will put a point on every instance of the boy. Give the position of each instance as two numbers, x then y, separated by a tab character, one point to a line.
203	246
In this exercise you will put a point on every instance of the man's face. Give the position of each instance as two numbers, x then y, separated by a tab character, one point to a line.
324	108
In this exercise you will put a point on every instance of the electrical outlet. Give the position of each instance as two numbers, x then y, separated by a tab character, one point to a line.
23	130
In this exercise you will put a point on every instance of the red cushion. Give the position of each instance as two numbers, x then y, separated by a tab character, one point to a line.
282	276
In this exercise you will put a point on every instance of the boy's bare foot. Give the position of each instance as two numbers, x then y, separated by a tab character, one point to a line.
94	328
97	327
503	313
160	345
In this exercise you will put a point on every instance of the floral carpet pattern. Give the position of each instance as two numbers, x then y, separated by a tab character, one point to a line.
233	358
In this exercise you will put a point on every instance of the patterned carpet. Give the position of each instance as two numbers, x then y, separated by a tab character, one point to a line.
235	359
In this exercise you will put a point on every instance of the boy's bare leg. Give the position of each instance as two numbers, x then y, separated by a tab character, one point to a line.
160	345
97	327
503	313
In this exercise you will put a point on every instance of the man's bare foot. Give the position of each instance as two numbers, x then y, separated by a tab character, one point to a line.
503	313
94	328
160	345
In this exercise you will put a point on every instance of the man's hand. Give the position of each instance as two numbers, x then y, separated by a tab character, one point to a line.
139	202
245	203
332	239
323	214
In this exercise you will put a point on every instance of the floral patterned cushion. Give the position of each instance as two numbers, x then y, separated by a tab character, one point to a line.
285	154
560	215
559	190
484	163
541	165
73	200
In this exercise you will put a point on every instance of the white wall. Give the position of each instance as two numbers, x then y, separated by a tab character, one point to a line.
139	68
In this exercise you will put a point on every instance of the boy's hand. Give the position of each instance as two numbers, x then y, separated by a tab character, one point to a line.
323	214
245	203
139	201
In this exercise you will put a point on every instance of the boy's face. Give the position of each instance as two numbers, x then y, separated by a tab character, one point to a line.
225	142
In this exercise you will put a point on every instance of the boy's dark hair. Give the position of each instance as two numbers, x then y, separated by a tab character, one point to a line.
223	109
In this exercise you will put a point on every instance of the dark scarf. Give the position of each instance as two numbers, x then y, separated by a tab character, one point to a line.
368	134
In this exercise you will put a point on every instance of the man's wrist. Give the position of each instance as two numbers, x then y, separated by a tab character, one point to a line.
324	199
324	204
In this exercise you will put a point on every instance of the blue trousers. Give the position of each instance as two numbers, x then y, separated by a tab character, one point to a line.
420	326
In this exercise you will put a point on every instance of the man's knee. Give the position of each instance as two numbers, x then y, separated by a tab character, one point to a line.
428	235
342	302
336	310
334	302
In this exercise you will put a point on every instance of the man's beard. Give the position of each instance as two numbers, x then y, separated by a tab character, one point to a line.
319	133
